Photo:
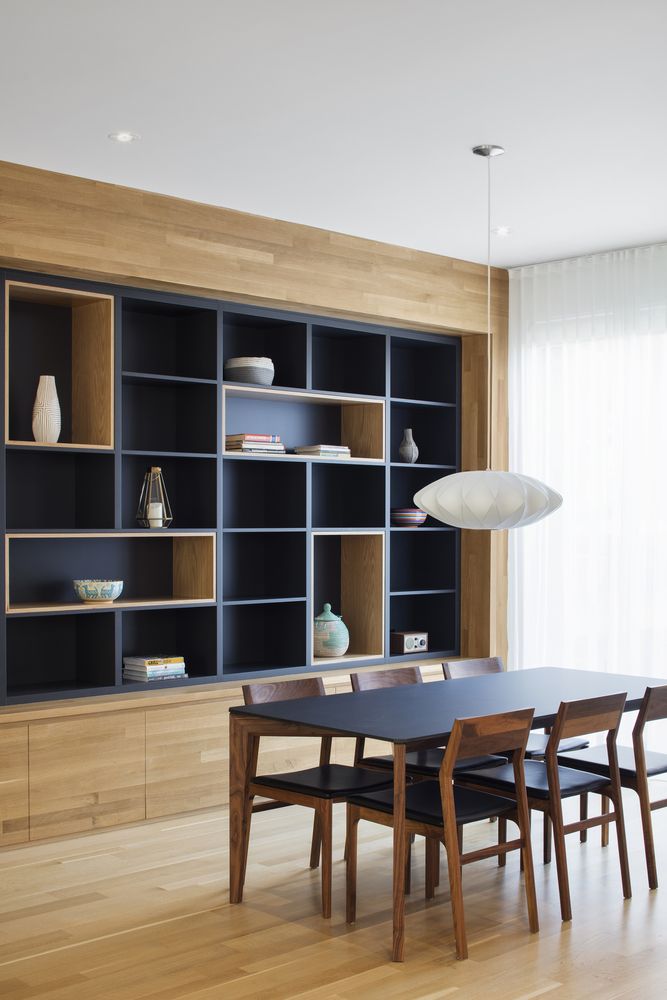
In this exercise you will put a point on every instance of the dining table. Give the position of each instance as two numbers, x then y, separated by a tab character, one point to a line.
409	717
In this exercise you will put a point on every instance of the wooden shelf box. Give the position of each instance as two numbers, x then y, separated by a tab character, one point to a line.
348	573
68	334
157	567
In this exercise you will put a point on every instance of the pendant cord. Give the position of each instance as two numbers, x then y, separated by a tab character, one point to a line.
488	321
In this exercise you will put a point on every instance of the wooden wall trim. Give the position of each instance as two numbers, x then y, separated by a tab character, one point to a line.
69	225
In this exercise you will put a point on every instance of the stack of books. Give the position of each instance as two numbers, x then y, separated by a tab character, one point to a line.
255	444
324	450
153	668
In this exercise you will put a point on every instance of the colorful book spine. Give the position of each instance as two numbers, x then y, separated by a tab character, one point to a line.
152	661
269	438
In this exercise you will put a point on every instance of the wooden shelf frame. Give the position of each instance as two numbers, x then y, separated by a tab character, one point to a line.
91	403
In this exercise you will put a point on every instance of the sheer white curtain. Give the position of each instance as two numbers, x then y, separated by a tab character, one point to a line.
588	416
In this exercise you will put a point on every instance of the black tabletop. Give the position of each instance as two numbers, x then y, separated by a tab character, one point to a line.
425	713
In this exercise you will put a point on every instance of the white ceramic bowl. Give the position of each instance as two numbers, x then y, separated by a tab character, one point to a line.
98	591
257	370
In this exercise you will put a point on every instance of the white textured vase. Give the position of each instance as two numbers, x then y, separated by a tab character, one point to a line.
46	411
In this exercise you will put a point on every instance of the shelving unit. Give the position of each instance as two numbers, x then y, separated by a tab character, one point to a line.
258	543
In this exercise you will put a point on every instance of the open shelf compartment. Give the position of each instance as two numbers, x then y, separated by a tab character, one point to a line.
434	429
264	494
187	632
423	560
169	417
263	637
424	369
165	338
432	613
282	339
304	418
67	334
190	484
58	653
348	573
59	489
348	496
264	565
348	361
156	567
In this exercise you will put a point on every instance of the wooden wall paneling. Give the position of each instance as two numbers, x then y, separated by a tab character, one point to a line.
87	773
194	567
187	757
92	372
14	806
362	592
68	225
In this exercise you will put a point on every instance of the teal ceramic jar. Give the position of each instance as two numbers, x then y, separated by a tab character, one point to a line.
330	635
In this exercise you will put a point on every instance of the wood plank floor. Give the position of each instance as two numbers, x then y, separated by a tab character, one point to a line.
143	913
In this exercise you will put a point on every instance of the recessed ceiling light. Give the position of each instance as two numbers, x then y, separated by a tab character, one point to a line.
123	136
501	231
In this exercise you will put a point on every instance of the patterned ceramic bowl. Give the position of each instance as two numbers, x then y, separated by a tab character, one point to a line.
257	370
407	517
98	591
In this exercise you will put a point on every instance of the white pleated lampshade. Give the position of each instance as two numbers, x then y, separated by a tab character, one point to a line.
487	500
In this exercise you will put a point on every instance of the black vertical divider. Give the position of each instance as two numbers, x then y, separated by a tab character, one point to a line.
310	611
387	496
3	514
220	469
118	467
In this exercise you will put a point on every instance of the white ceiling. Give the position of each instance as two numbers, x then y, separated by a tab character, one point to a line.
359	115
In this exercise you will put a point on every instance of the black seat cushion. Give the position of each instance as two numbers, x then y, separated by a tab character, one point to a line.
537	744
328	781
596	761
502	778
424	805
427	762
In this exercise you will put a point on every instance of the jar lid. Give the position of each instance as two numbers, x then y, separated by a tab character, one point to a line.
327	615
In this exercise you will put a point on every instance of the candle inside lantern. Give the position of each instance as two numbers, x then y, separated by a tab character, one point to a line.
155	515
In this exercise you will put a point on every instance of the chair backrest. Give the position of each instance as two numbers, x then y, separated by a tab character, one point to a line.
385	678
653	707
455	669
259	694
587	715
504	732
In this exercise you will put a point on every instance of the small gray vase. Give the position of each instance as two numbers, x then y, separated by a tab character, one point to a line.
408	451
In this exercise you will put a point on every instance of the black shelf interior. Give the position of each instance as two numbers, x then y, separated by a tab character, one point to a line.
169	339
348	496
423	560
264	636
423	370
58	652
187	632
348	361
169	416
434	430
190	485
59	489
264	565
327	573
40	344
297	421
432	613
42	569
406	480
282	340
264	494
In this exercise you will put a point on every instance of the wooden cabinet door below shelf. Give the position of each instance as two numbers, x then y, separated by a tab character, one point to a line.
13	785
87	773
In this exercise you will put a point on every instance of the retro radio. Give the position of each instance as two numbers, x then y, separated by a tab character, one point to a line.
409	642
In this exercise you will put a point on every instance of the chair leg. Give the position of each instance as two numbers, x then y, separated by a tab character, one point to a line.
455	886
408	866
546	834
351	864
459	838
326	813
647	829
604	829
583	814
432	860
523	822
561	859
316	841
502	839
622	844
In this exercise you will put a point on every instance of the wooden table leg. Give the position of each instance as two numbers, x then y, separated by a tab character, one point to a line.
239	805
399	853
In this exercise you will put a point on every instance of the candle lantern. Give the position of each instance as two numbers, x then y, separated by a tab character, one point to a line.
154	510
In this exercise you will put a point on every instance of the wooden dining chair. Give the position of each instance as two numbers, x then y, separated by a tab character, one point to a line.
537	743
548	783
438	809
636	766
317	788
418	763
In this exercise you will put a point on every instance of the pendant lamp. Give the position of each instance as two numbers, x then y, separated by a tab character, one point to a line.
486	499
